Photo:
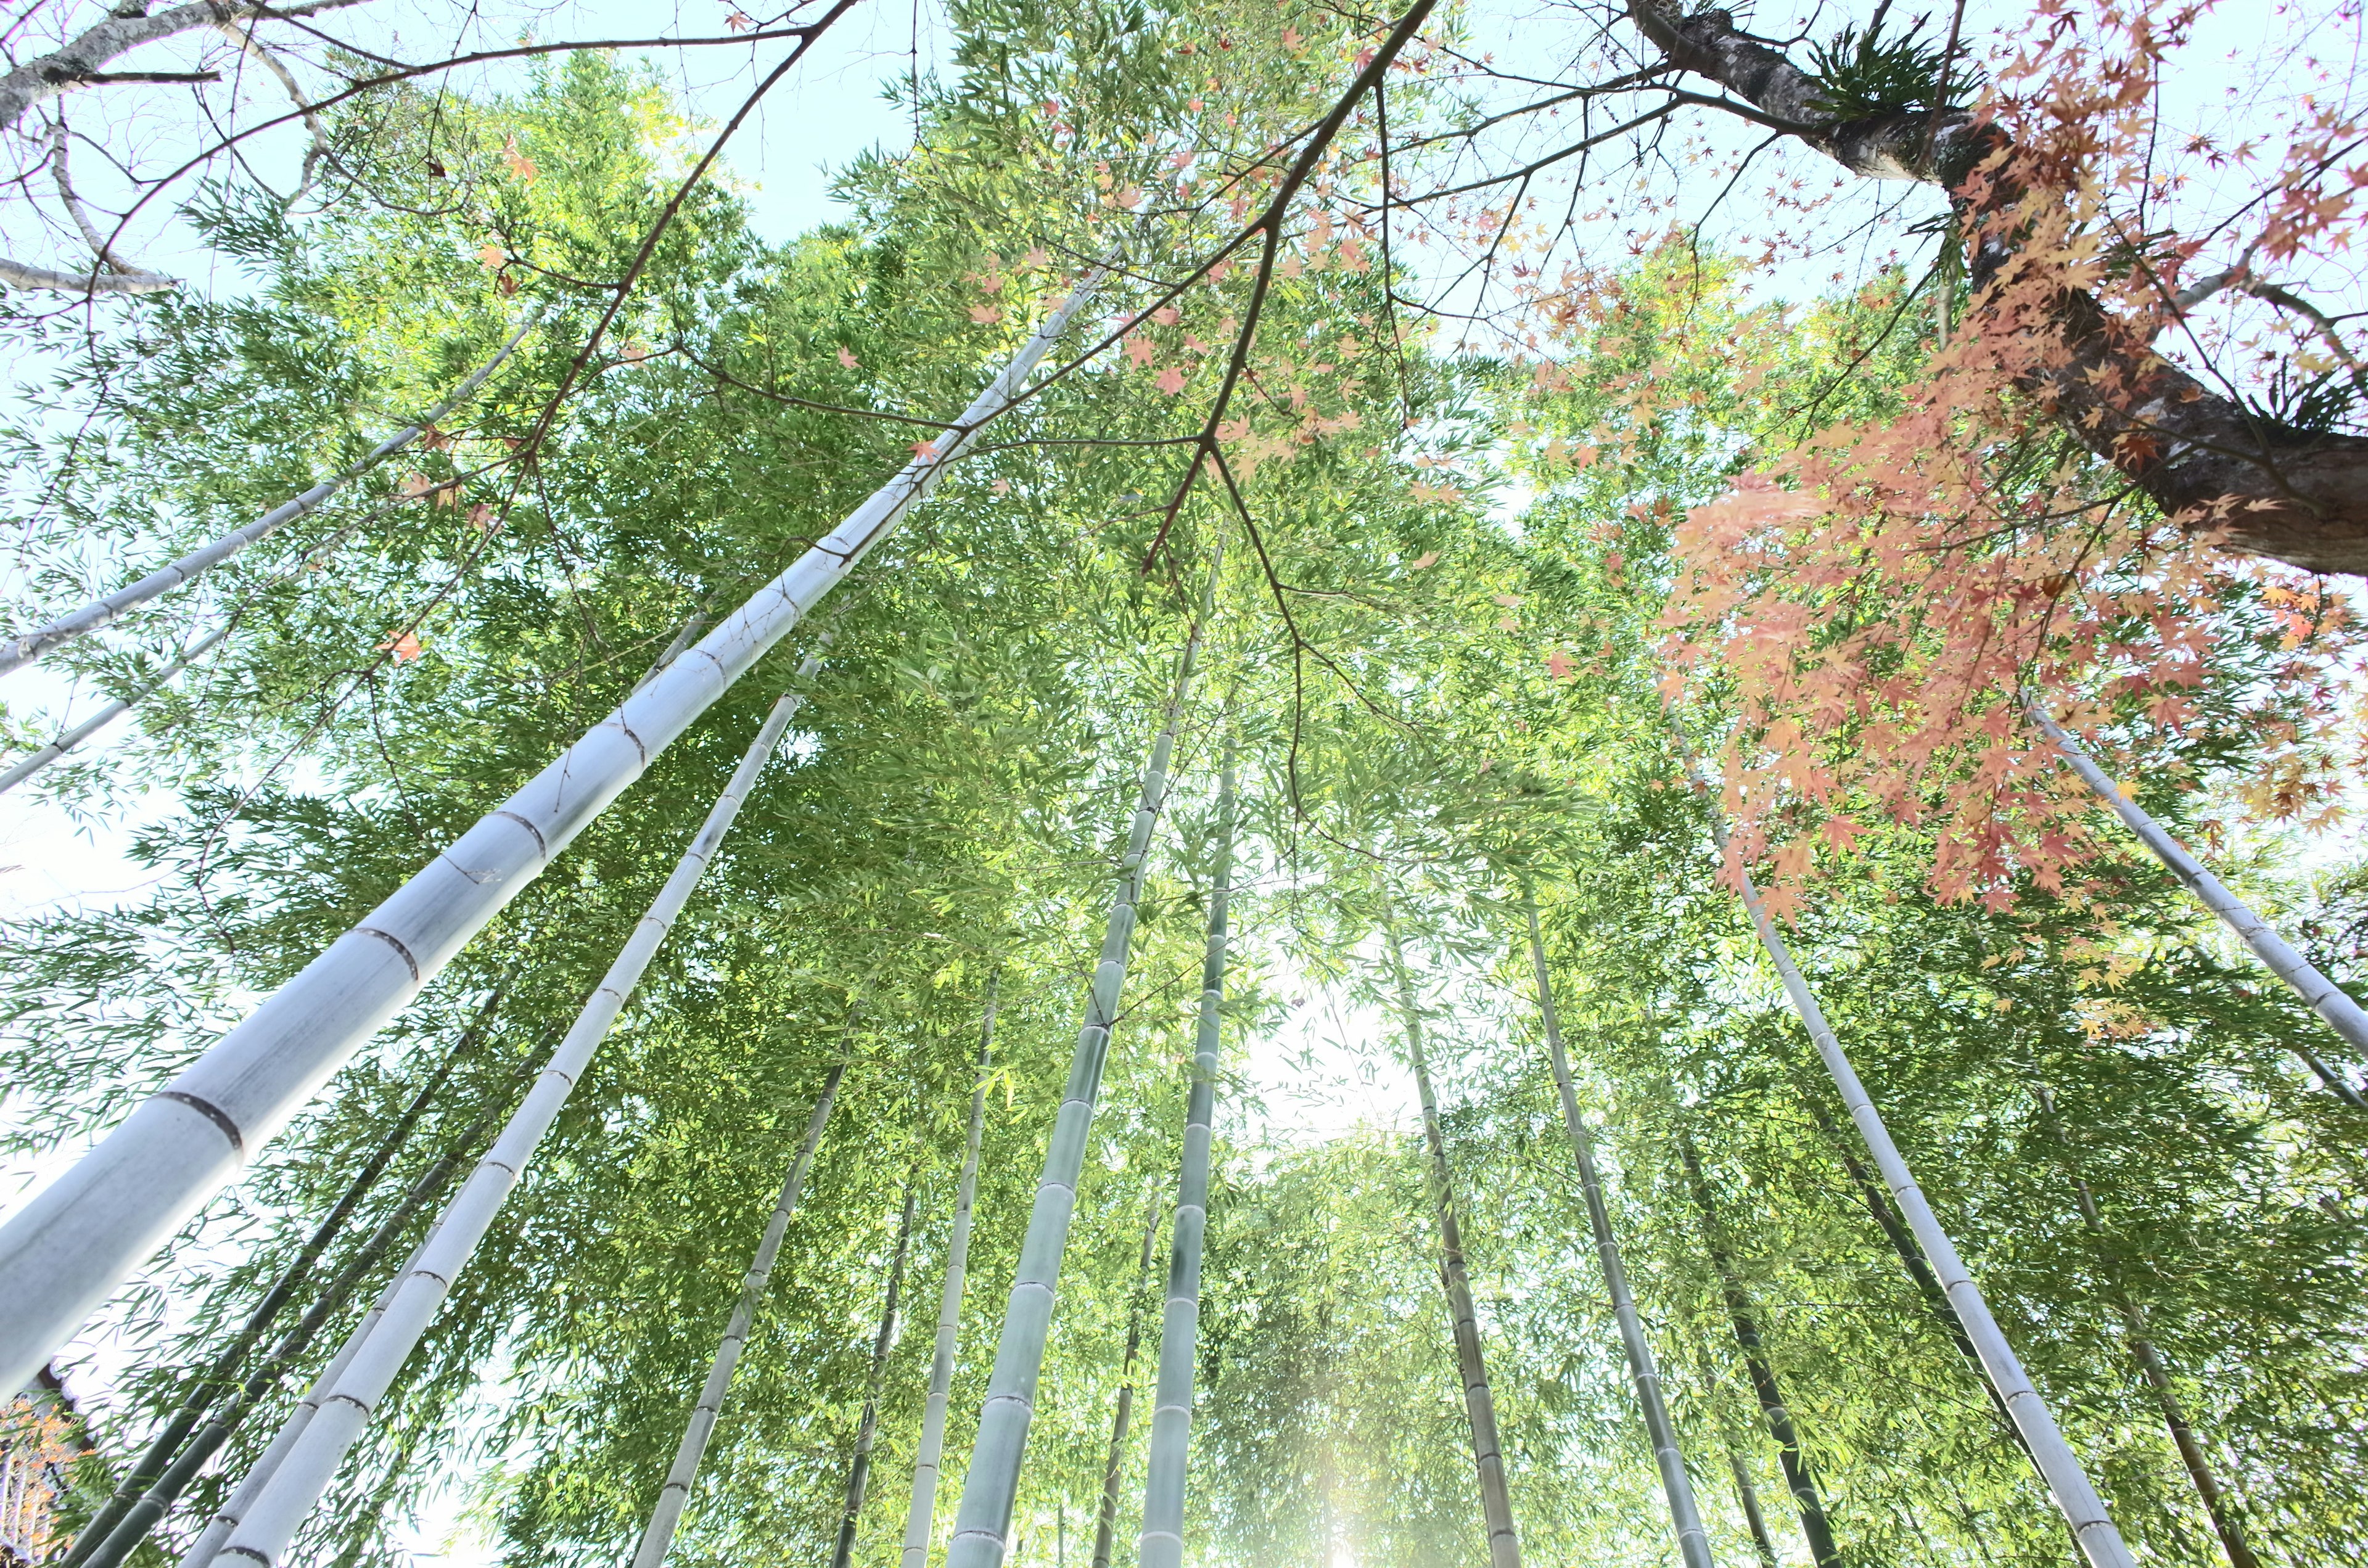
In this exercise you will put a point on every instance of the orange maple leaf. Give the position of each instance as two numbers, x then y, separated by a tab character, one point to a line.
1170	380
403	646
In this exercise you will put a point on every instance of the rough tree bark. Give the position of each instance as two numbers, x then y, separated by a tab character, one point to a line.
2291	494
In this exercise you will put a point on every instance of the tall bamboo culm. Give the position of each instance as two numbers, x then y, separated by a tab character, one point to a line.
1677	1486
1122	1419
23	649
1800	1476
2150	1364
94	1542
175	1457
2322	995
422	1192
1162	1544
1479	1403
674	1496
858	1470
312	1460
991	1486
2057	1463
920	1517
74	1243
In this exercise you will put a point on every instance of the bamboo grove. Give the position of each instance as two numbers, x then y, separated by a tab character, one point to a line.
1017	659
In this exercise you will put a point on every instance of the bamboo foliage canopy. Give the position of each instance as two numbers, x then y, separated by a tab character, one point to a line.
1510	576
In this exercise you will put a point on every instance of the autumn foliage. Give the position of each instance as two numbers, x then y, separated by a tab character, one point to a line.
1872	607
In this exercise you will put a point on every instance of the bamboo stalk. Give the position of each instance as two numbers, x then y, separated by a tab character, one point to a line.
271	1522
858	1470
2150	1365
1800	1477
68	1248
1677	1486
1162	1541
2067	1483
22	650
1936	1301
2322	995
1479	1403
657	1535
74	737
1122	1419
920	1517
991	1486
155	1480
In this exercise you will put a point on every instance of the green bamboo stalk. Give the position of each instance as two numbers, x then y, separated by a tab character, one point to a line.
991	1487
155	1482
2067	1482
658	1534
1114	1463
2150	1364
312	1461
919	1519
1162	1542
1677	1486
1800	1477
1479	1403
22	650
858	1471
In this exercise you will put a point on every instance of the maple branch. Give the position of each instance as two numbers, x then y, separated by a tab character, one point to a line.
2251	482
1270	224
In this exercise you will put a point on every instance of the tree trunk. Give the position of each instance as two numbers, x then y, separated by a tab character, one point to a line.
311	1462
1677	1486
75	1242
2150	1366
1799	1478
983	1521
1168	1469
1114	1463
858	1471
1487	1453
2344	1016
919	1520
2279	491
2058	1465
23	649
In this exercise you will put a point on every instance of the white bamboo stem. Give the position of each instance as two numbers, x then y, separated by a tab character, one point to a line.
991	1487
1471	1362
22	650
1162	1541
112	711
858	1470
2057	1464
920	1517
211	1540
658	1534
2344	1016
68	1248
1685	1515
271	1522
